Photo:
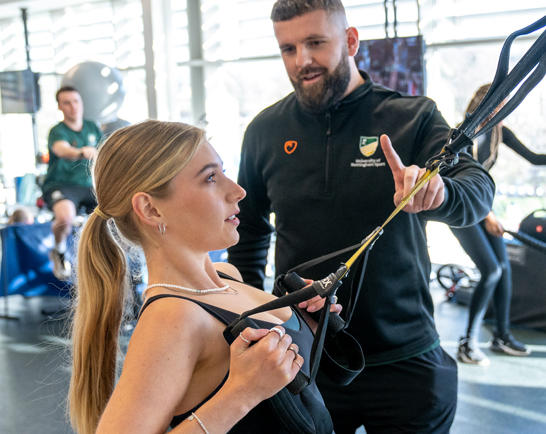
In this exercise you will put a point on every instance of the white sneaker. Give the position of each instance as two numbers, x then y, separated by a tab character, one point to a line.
61	267
469	352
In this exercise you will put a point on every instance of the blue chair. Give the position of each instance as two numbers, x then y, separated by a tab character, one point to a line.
26	267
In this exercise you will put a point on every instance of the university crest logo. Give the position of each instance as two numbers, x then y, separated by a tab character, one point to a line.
368	145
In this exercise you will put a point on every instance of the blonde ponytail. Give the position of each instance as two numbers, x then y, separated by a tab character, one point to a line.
96	323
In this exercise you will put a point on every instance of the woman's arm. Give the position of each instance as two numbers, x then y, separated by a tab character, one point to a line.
256	373
167	345
510	140
158	367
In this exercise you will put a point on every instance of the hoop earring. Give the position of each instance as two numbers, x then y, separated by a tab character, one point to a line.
162	228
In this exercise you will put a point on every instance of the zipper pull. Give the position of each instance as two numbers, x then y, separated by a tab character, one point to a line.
329	123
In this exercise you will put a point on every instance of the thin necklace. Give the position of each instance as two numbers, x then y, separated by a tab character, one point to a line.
222	290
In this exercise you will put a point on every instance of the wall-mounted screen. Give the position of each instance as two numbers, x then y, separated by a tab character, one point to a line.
19	91
396	63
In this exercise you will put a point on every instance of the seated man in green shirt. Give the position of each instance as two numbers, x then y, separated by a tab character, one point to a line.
67	187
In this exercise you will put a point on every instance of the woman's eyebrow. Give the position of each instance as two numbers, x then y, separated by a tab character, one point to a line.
207	167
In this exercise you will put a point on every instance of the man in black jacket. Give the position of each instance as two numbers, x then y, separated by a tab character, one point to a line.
313	160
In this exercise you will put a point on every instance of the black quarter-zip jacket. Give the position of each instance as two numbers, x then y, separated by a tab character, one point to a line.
328	194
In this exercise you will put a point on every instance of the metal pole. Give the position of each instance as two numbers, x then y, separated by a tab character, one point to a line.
33	114
149	58
197	72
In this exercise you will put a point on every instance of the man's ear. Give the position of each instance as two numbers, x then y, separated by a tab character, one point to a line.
353	42
145	209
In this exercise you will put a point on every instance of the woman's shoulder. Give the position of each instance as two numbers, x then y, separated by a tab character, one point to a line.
174	316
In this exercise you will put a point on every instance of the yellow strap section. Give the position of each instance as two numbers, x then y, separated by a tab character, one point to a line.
418	186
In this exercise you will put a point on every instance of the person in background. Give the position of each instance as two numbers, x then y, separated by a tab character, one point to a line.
484	244
161	185
21	216
328	160
67	186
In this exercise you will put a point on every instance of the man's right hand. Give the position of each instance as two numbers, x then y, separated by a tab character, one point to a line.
430	197
88	152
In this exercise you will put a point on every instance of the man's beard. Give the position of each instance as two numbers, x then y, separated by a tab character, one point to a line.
322	95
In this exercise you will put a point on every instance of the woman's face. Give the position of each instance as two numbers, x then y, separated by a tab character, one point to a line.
200	211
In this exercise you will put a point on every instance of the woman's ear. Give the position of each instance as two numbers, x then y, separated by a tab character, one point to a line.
353	42
145	210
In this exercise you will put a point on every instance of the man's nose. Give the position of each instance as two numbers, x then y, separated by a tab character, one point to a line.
303	57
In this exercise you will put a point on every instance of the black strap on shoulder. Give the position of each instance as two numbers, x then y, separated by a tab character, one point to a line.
227	276
222	315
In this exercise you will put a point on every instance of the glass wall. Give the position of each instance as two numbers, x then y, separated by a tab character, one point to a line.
241	70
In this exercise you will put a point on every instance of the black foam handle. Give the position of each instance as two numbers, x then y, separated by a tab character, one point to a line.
292	282
231	332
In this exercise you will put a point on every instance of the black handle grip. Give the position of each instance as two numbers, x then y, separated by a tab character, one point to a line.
291	282
231	332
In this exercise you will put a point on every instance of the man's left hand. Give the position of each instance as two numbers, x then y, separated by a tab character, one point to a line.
430	197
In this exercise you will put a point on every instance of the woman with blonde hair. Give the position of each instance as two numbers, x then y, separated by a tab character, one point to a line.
161	185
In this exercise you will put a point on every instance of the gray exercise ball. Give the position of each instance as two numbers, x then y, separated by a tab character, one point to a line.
101	88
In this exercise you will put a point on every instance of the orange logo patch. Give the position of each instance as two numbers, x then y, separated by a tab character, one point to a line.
290	146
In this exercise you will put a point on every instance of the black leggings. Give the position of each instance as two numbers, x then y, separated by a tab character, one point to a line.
489	254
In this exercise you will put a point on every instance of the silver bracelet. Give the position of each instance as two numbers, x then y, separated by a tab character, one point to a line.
193	416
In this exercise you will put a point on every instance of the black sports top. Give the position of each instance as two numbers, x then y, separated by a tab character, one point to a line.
262	417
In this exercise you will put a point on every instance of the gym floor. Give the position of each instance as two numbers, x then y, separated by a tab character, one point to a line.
509	396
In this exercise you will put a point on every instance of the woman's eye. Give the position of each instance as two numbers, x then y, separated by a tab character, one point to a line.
211	177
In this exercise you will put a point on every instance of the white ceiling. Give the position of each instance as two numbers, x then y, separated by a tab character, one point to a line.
10	8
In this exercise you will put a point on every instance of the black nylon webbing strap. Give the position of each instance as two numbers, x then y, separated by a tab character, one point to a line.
529	240
532	65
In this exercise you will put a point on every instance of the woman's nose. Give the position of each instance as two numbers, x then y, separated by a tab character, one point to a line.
238	193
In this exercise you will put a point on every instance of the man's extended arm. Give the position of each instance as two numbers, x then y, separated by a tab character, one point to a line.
469	189
63	149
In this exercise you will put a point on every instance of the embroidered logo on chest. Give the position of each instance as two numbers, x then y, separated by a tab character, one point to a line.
290	146
368	145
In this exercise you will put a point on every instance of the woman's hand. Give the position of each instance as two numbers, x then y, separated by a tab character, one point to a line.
259	371
493	226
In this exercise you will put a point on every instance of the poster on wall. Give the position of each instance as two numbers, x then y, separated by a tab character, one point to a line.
396	63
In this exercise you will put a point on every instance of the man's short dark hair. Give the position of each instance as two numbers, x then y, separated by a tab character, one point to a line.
65	89
284	10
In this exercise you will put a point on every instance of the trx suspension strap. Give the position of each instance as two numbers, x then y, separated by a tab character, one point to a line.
532	65
526	74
